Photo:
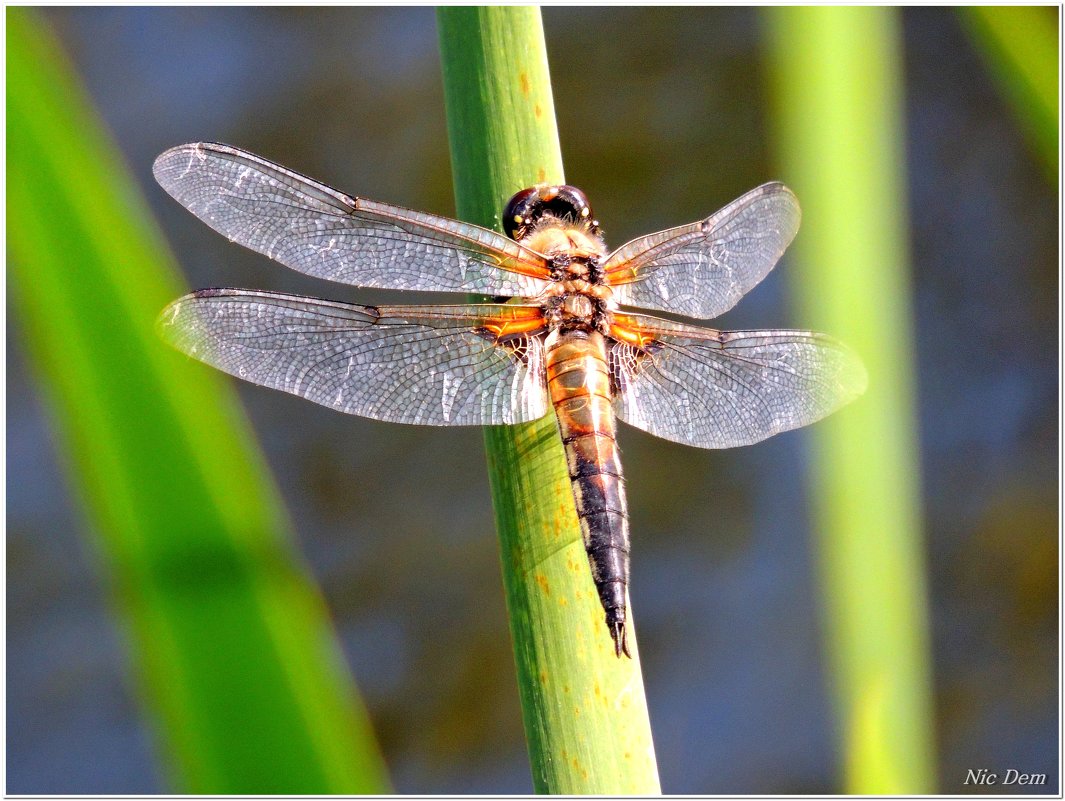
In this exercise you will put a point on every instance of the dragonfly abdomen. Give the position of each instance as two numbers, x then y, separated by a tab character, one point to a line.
579	383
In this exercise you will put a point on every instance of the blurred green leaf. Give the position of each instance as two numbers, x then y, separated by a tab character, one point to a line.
236	659
584	709
1022	49
837	76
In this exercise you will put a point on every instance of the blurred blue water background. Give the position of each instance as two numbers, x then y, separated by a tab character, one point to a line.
662	118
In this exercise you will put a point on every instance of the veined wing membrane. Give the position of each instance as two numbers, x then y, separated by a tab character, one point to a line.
721	389
703	269
430	365
317	230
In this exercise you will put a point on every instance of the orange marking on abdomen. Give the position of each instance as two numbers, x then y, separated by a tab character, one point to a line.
578	380
579	383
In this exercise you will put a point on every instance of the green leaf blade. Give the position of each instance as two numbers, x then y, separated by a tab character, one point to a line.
1020	45
230	640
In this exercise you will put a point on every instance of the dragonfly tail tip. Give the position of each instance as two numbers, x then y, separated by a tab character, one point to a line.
616	623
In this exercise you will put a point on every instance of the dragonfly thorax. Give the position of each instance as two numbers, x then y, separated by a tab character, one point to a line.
568	247
578	305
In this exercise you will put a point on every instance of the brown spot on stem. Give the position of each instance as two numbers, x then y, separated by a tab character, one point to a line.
541	579
524	84
539	112
541	177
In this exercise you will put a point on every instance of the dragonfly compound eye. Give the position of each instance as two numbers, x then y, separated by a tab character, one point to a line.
570	202
518	214
529	206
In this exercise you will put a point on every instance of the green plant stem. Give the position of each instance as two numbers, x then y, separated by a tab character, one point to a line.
584	709
237	663
837	75
1020	44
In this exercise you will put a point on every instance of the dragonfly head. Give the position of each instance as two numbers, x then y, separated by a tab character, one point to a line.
528	210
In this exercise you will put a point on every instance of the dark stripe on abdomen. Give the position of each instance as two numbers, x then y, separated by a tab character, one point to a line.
579	383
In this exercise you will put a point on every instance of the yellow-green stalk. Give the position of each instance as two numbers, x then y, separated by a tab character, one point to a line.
837	81
584	709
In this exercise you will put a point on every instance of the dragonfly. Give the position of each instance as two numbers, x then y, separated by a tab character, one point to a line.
559	335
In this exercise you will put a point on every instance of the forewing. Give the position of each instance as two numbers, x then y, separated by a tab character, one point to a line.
703	269
317	230
430	365
720	389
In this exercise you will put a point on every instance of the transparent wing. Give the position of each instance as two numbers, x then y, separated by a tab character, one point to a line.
720	389
430	365
703	269
317	230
